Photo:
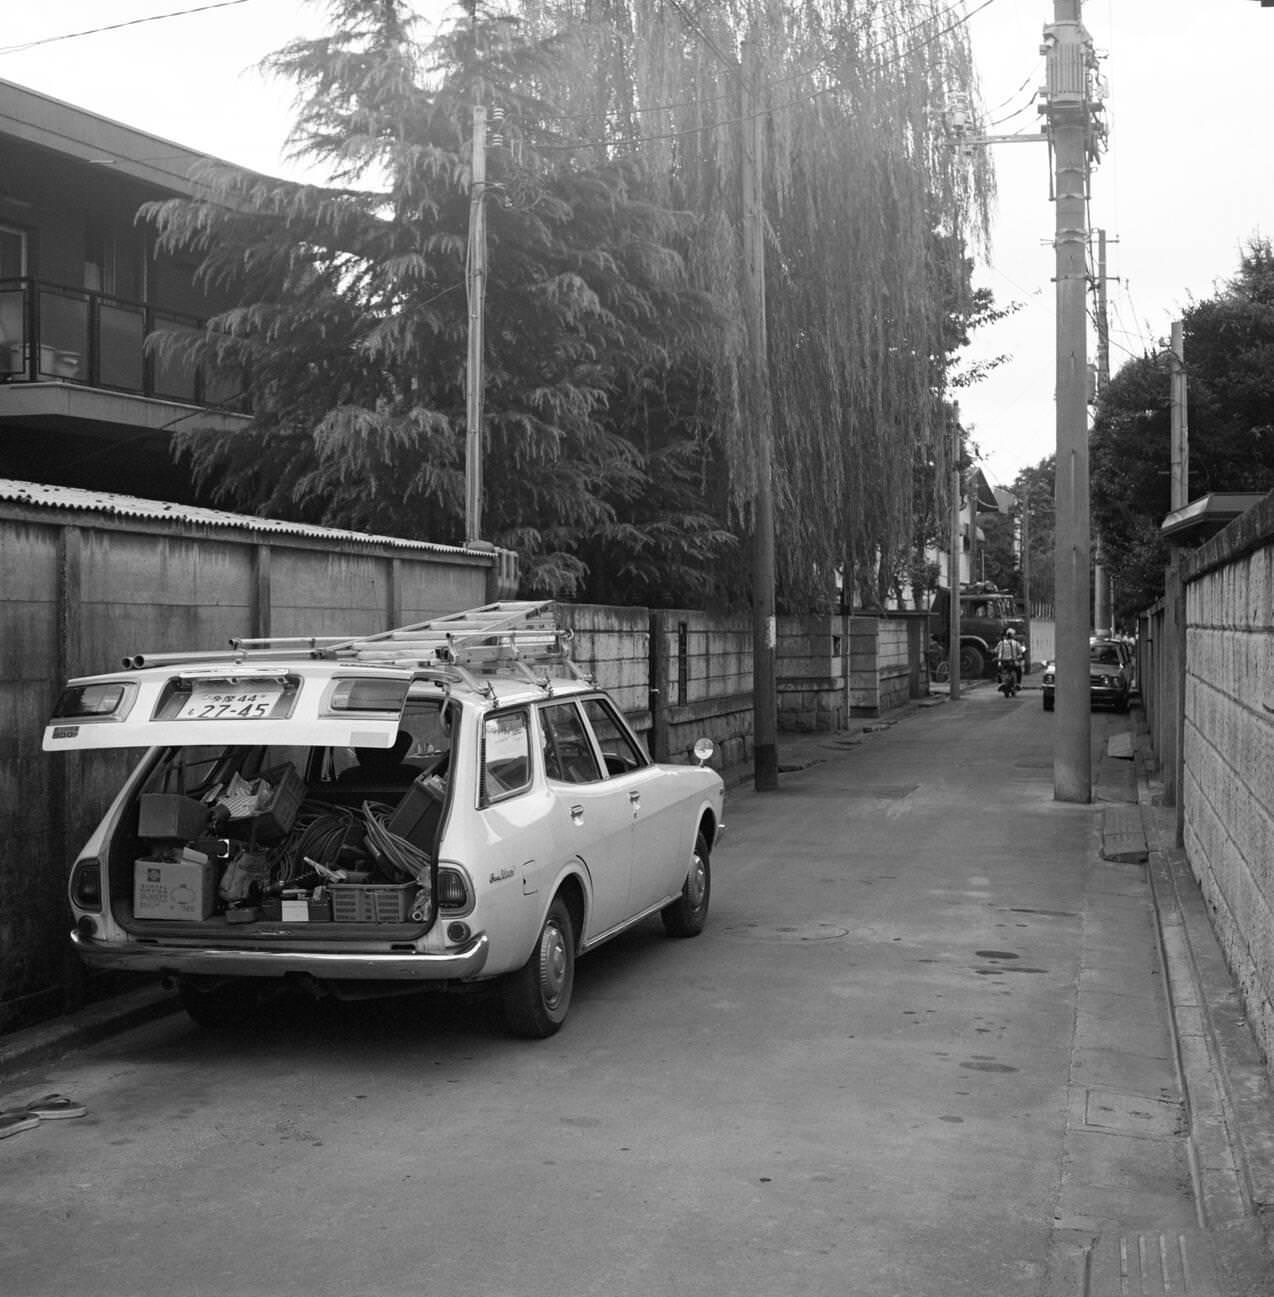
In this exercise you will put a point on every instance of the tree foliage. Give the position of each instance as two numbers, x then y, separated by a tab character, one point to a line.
1229	367
619	461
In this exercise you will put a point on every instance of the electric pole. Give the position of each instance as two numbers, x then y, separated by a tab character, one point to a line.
1102	621
1070	114
953	564
476	286
765	753
1180	496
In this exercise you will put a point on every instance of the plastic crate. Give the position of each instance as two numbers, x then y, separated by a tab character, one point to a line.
372	902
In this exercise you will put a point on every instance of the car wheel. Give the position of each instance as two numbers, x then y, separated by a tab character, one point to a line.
972	663
1121	704
686	916
1048	702
538	996
228	1004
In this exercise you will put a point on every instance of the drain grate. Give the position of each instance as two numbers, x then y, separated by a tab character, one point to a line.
1181	1263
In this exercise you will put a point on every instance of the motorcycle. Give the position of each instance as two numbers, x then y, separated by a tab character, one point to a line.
1009	678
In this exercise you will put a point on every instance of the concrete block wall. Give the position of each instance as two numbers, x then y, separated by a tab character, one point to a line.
811	673
1227	764
612	645
881	669
702	679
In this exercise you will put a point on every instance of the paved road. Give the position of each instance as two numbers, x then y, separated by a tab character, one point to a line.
921	1049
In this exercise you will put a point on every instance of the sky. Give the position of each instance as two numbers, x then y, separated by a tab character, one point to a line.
1187	179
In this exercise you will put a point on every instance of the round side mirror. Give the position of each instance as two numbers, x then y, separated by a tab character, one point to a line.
703	750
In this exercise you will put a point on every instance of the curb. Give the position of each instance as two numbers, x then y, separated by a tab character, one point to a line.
50	1040
1226	1090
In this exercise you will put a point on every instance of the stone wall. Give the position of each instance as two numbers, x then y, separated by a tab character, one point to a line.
1227	739
813	667
886	662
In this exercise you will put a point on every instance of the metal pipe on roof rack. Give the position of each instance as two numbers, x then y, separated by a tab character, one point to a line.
136	661
289	641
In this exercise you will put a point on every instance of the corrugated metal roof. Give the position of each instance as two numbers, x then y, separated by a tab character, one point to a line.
42	496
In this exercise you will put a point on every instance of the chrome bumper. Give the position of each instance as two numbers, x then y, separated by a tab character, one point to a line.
453	966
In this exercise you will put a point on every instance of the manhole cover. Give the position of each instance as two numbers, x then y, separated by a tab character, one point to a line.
792	932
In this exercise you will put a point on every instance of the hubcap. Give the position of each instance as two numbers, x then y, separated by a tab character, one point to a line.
697	882
553	965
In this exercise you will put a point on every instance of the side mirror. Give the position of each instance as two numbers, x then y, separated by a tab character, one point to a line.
703	750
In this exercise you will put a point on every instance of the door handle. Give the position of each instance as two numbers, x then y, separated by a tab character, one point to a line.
577	814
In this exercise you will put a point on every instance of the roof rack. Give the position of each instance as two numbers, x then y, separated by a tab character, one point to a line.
506	636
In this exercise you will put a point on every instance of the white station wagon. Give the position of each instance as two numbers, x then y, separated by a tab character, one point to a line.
444	805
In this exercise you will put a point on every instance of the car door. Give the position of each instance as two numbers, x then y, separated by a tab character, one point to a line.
593	816
659	825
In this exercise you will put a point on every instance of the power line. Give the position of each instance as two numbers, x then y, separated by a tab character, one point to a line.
132	22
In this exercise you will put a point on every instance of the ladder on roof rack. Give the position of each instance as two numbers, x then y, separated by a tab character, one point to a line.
510	635
516	634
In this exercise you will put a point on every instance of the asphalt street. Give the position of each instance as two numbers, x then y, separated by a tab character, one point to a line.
925	1047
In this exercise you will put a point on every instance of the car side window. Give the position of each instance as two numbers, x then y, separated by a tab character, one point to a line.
621	751
506	755
568	750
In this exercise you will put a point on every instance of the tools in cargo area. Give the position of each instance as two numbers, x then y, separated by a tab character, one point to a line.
332	863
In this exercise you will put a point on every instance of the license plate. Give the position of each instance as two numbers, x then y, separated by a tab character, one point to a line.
215	701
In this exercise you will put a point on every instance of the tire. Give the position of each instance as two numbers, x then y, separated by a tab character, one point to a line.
972	663
226	1005
686	916
537	997
1048	702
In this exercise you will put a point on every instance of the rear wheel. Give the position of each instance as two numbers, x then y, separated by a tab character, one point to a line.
538	996
686	916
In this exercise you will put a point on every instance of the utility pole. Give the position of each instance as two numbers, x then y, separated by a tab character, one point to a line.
476	287
1102	621
1026	567
765	753
1180	480
953	564
1070	114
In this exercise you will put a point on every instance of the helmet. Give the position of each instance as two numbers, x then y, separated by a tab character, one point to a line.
1010	633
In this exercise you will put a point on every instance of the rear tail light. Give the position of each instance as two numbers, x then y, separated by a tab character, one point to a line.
85	887
453	890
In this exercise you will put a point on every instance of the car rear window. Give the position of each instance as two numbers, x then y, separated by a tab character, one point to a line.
506	755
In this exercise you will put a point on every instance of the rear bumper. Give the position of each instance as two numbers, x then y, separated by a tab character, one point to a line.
460	965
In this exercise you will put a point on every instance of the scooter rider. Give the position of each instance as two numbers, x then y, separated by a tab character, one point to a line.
1009	655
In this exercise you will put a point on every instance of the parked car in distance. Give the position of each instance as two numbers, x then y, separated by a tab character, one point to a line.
1109	676
448	806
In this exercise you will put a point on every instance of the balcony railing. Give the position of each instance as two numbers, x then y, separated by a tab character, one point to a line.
52	332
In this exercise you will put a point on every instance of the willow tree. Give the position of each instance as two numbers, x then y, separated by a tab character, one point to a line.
869	208
616	358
